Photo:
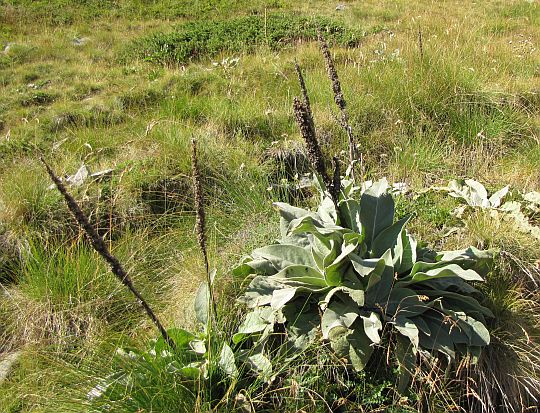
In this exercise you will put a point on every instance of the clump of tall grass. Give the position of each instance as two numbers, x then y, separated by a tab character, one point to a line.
62	296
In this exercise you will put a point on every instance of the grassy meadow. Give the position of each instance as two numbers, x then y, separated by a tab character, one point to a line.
436	90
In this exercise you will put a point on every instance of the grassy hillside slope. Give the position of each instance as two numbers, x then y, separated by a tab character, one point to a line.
436	91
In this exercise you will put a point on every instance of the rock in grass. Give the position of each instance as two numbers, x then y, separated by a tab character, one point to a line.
7	363
80	41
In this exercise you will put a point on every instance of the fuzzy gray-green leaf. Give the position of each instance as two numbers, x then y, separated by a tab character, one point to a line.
377	210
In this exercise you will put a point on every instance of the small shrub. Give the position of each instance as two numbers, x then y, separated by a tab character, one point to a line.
205	38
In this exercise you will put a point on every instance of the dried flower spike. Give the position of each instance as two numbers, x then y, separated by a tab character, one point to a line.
101	248
336	181
303	87
339	99
200	225
307	130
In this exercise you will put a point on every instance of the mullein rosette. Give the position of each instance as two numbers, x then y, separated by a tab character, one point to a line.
347	271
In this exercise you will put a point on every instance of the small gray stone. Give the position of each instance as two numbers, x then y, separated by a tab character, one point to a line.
340	7
6	364
7	47
80	41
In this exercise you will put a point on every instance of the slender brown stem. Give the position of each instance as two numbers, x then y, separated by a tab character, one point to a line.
339	100
101	248
420	44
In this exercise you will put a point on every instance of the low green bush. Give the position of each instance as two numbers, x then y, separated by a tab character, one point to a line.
206	38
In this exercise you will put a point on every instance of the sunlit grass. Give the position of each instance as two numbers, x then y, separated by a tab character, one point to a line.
467	106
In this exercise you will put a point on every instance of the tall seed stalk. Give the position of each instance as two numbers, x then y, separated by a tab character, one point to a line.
101	248
200	229
304	118
339	100
420	43
303	88
336	181
305	122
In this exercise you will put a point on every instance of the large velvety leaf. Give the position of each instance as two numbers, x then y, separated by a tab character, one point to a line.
404	302
251	266
334	272
283	255
260	291
388	238
478	194
408	329
302	275
256	321
327	211
356	295
452	330
303	324
470	258
202	303
406	362
331	253
365	267
454	284
282	297
377	210
456	302
379	287
449	270
227	361
198	346
338	314
496	199
475	330
404	253
372	325
289	212
350	214
353	344
261	364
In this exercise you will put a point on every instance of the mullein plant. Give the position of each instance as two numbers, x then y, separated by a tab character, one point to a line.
348	274
200	229
197	368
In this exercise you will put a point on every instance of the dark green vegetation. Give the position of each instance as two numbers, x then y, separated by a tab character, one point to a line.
207	38
462	103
